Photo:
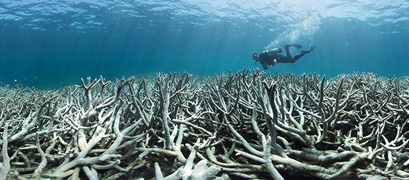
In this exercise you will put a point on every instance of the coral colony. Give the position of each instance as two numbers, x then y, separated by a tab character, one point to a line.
244	125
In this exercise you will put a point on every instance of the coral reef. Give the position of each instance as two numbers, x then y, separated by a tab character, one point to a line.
243	125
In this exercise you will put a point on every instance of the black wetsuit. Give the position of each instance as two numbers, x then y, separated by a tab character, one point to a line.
271	57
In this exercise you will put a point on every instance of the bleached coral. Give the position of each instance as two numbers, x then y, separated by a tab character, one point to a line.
247	124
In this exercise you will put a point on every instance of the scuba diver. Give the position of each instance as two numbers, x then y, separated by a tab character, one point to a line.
272	57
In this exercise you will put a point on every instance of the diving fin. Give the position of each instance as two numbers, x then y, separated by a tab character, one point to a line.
295	45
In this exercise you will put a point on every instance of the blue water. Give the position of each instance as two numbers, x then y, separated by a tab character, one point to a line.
48	43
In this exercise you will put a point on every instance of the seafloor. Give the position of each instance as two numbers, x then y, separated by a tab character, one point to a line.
244	125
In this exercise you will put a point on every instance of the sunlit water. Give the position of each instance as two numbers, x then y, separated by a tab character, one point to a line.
49	44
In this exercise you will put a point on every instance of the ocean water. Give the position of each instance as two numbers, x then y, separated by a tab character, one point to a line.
49	44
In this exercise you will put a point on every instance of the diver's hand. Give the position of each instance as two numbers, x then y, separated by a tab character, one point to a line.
265	67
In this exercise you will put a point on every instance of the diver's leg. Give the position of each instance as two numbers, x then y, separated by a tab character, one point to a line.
295	58
287	51
301	54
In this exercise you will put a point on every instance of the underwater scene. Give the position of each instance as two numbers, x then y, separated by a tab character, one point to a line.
204	89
